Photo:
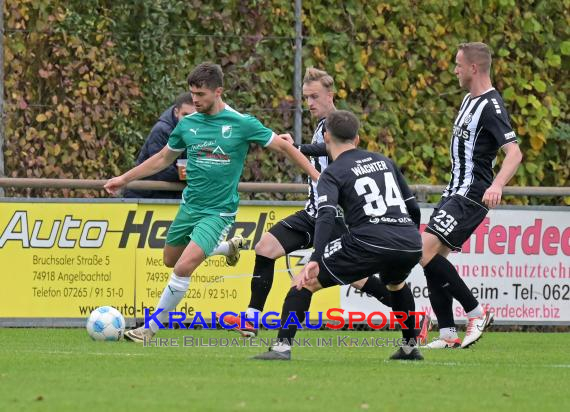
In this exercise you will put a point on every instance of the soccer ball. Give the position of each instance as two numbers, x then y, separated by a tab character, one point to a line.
106	323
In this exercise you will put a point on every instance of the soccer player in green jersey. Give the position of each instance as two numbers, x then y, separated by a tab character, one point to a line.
216	138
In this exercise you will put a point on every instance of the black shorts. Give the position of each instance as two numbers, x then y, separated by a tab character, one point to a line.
297	231
348	259
454	219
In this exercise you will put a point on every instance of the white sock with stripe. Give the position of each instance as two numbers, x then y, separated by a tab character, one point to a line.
170	298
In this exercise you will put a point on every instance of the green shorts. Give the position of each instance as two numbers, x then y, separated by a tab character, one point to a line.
206	230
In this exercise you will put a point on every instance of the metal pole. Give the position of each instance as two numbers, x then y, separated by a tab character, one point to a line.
2	93
297	86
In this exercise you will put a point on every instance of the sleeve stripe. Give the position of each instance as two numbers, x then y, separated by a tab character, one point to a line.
515	141
322	207
270	140
409	198
174	150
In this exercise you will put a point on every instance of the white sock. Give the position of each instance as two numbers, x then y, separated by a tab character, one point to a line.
222	249
281	347
476	313
250	313
448	333
170	298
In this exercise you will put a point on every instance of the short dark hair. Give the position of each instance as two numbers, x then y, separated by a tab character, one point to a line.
184	98
208	75
342	125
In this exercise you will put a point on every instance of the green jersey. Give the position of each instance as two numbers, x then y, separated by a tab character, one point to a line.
216	146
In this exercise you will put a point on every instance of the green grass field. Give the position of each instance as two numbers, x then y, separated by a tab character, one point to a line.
62	369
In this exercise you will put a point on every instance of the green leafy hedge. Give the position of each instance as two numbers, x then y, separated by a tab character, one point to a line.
85	80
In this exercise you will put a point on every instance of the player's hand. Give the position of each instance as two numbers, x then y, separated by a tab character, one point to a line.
492	196
310	271
287	137
114	185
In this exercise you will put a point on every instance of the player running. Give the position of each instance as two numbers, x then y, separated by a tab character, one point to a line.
216	139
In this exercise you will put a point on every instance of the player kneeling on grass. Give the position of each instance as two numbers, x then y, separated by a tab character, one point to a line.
381	238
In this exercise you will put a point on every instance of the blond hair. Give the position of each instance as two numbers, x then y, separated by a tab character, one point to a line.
477	53
315	75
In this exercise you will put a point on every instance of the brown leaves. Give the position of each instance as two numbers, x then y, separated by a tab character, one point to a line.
89	85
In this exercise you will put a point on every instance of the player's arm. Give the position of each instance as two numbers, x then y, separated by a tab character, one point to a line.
313	149
281	145
326	214
157	140
150	166
513	158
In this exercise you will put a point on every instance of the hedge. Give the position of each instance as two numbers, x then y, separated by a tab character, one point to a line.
86	80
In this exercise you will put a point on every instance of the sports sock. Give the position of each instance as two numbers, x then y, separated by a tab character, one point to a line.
375	287
476	313
250	313
261	282
171	296
448	333
222	249
441	301
297	301
446	273
403	301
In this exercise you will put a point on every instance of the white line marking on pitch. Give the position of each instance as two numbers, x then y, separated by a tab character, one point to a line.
55	352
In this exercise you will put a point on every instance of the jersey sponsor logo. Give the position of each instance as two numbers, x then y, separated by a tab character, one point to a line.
211	156
460	133
392	220
510	135
226	132
195	131
199	146
468	119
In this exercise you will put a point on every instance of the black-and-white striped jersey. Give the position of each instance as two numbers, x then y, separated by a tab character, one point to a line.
320	163
375	198
480	129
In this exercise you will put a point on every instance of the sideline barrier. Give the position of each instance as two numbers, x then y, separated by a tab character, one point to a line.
421	191
60	258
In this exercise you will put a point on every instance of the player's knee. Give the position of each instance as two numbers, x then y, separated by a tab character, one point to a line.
395	287
169	260
269	247
186	265
426	258
430	248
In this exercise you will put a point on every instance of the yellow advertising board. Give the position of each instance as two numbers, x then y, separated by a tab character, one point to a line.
61	260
